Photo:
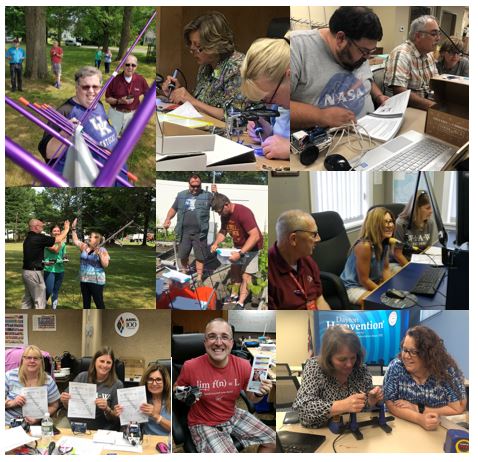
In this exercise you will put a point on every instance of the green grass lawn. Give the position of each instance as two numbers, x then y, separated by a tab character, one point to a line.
130	278
27	134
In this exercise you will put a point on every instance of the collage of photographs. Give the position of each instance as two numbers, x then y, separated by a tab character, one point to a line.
246	229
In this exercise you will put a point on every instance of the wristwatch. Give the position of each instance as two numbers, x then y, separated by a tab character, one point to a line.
421	408
241	253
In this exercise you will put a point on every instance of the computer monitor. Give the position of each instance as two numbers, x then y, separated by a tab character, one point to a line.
462	210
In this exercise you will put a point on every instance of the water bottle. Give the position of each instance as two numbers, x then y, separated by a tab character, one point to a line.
47	427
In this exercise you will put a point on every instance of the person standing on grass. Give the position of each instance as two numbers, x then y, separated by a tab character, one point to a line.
98	57
56	56
108	57
16	55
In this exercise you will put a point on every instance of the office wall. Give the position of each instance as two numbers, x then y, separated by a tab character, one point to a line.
67	336
151	342
453	327
292	335
247	23
195	321
287	193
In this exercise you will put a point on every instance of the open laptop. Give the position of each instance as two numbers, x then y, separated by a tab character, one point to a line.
298	442
412	151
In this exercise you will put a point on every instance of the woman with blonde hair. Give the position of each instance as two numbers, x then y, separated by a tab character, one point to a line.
421	233
93	260
158	396
31	373
265	75
367	264
210	40
102	373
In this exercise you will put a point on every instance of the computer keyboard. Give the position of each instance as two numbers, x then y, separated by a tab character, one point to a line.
417	157
429	281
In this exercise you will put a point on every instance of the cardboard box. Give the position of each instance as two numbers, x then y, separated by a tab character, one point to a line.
133	368
181	162
448	118
176	139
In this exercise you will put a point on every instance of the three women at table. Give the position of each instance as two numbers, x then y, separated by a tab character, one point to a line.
102	373
30	373
424	382
337	381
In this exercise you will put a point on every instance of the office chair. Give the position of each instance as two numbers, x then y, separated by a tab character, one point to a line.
330	254
378	77
166	363
283	370
184	347
286	392
278	27
83	364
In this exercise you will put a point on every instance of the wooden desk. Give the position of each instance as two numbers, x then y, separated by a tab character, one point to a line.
149	443
414	120
405	437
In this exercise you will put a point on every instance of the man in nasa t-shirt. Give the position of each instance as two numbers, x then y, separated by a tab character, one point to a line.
214	419
331	80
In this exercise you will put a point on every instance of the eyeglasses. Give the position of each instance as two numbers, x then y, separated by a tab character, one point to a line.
271	99
412	353
365	51
194	187
130	65
193	50
455	53
32	358
314	234
433	33
87	87
158	380
214	337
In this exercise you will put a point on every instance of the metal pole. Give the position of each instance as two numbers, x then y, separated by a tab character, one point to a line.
38	169
130	137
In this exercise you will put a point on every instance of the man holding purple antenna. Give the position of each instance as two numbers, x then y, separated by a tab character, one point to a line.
88	83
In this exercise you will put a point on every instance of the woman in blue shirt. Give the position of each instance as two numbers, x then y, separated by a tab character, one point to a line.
424	381
367	264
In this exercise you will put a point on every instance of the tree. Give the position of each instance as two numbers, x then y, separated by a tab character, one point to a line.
15	21
35	25
61	19
125	32
18	210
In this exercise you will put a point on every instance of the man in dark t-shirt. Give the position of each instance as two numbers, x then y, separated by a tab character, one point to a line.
32	270
240	223
294	277
192	207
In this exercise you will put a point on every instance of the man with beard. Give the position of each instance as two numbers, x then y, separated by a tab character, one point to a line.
331	80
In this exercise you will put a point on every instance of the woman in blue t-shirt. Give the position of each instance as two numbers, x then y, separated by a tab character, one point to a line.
54	269
93	261
424	381
367	264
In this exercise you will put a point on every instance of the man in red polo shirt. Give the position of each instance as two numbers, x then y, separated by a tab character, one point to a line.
294	277
214	419
240	223
123	94
56	55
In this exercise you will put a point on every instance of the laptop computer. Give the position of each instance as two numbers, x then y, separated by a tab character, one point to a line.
412	151
298	442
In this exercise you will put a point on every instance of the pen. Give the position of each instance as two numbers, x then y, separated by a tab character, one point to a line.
172	85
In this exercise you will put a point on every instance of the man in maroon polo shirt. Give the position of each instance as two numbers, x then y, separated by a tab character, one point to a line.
123	94
240	223
294	277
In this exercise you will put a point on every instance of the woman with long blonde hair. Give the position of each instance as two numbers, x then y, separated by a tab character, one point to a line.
31	373
367	265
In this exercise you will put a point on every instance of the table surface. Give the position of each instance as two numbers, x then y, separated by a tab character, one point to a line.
414	120
405	437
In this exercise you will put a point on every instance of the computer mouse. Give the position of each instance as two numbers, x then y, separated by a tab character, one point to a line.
337	162
309	154
394	293
162	448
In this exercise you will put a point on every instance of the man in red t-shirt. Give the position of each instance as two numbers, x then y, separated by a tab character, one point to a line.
56	56
240	223
214	419
123	94
294	277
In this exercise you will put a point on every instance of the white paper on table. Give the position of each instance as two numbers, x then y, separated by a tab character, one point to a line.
259	371
182	120
114	441
36	404
186	110
131	399
229	152
81	446
394	106
82	402
432	256
14	438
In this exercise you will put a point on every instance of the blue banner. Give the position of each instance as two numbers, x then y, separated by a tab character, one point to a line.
379	331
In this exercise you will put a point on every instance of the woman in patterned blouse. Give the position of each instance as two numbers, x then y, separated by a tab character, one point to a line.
424	381
336	382
211	42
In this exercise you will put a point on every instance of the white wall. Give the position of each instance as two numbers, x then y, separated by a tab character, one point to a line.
251	196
